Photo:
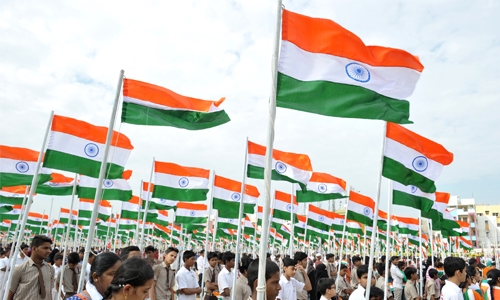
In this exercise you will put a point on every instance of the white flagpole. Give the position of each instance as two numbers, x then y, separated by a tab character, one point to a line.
375	212
146	208
34	183
117	227
102	171
207	244
388	241
291	220
342	242
305	229
431	237
240	218
261	285
420	251
50	214
139	214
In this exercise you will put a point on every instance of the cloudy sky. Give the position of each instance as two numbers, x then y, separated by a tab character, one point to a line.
66	56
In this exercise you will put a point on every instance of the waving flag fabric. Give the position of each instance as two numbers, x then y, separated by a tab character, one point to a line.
59	185
411	159
354	227
412	196
438	208
227	223
191	213
175	182
283	206
65	216
112	189
300	225
131	208
17	166
360	208
319	218
407	225
248	227
12	195
227	197
327	70
77	146
338	222
382	221
157	203
291	167
10	212
148	104
322	187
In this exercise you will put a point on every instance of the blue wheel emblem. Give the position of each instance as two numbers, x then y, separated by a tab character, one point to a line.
235	197
91	150
342	222
280	167
231	221
367	211
183	182
357	72
22	167
14	211
420	163
413	189
162	200
128	221
53	183
138	208
107	183
322	188
192	213
321	218
289	207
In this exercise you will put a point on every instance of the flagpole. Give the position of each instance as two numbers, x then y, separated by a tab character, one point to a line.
50	214
291	220
388	241
421	281
102	172
429	222
34	183
139	213
117	227
147	204
375	212
342	242
307	219
207	244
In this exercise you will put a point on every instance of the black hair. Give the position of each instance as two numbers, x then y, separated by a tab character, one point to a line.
38	240
453	264
73	258
102	263
382	258
410	271
324	284
376	292
394	257
287	262
91	254
472	261
58	256
401	264
343	266
50	258
202	251
24	246
187	255
244	263
328	256
299	256
362	270
494	274
149	249
355	259
227	256
471	271
253	271
433	273
211	255
134	271
440	265
171	249
125	251
381	268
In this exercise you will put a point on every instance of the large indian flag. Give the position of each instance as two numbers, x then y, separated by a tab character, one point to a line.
77	146
65	216
412	196
180	183
407	225
322	187
157	203
412	159
338	222
148	104
354	227
131	208
287	166
10	212
319	218
360	208
227	197
327	70
284	207
87	205
227	223
300	226
191	213
438	208
17	166
112	189
12	195
59	185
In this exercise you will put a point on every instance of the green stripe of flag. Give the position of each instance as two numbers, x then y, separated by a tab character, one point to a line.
107	194
187	195
55	191
359	218
12	179
402	198
258	173
396	171
231	209
318	225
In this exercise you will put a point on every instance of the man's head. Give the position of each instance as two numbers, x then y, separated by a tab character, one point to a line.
228	259
73	260
189	258
395	260
40	247
202	253
170	255
376	293
411	274
433	273
472	262
272	278
343	270
301	258
356	261
91	256
58	258
330	258
24	249
381	269
454	268
362	272
129	252
81	253
318	256
289	267
150	252
212	259
326	287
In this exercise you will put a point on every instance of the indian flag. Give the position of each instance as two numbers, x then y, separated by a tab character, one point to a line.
415	240
161	218
316	232
338	222
65	216
131	208
38	219
284	231
5	225
292	167
283	206
12	195
412	196
300	225
412	159
148	104
77	146
227	197
105	209
465	244
112	189
227	223
248	227
407	225
10	212
319	218
448	222
322	187
127	224
327	70
180	183
438	208
157	203
464	228
354	227
360	208
87	205
191	213
17	166
59	185
260	212
162	231
382	221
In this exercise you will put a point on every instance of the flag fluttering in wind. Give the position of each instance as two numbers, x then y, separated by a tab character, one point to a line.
412	159
191	213
320	218
131	208
360	208
17	166
157	203
283	206
327	70
227	223
112	189
77	146
322	187
287	166
12	195
407	225
10	212
66	217
59	185
148	104
175	182
412	196
248	227
227	197
338	222
438	208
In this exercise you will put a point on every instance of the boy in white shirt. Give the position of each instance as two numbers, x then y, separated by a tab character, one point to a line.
326	287
359	293
187	283
226	276
289	285
454	268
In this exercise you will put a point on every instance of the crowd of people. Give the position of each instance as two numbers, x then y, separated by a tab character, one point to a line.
42	272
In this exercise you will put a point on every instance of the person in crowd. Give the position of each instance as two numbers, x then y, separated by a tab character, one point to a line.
362	274
397	278
34	278
356	262
289	285
472	262
431	285
52	254
164	277
187	283
411	292
132	281
330	266
149	252
129	252
23	255
226	275
454	269
476	278
243	291
301	259
321	272
376	293
4	262
494	283
380	283
89	265
318	260
211	274
326	287
489	266
272	276
344	289
201	265
102	272
70	276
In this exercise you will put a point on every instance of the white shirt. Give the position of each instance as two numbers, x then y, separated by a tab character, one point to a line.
20	260
87	272
186	279
56	270
358	294
201	262
451	291
289	288
397	277
225	281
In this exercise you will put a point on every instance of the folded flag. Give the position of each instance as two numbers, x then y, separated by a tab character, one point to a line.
322	187
17	166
